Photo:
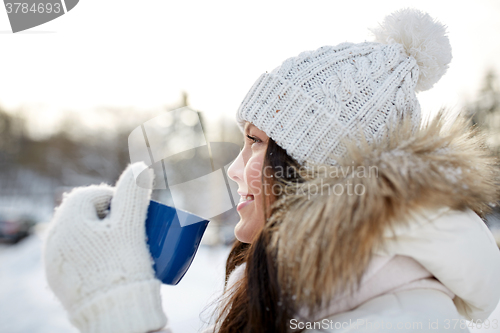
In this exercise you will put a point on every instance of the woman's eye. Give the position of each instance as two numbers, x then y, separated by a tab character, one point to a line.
252	139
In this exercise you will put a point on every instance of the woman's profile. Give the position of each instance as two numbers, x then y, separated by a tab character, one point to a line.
356	214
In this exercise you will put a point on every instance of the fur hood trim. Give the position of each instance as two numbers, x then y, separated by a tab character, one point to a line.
323	238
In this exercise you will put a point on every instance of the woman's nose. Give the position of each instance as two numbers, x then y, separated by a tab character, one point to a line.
235	170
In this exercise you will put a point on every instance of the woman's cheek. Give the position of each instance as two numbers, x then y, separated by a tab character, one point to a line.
253	175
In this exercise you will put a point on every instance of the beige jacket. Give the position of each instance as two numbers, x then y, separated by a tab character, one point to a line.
416	237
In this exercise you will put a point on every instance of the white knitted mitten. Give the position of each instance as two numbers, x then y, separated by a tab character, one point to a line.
100	268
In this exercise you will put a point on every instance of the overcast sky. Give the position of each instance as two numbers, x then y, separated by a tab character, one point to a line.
144	53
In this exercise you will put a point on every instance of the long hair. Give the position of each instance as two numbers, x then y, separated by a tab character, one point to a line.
257	302
310	251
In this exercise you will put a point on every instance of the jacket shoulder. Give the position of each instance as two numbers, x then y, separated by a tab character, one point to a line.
418	310
459	250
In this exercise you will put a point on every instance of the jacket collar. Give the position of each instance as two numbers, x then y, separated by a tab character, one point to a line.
323	240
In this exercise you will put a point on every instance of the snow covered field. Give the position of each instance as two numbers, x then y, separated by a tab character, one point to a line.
28	306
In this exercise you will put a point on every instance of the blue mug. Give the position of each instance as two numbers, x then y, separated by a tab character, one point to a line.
172	246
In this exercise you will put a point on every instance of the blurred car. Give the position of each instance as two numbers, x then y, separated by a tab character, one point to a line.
15	228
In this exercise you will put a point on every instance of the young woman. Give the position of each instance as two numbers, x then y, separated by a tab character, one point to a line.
355	215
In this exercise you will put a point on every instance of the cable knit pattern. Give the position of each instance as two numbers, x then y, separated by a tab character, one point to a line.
312	101
98	263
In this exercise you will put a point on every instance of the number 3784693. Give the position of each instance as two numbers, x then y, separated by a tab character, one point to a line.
22	7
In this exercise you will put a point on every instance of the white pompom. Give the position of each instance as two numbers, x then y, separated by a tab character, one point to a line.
423	38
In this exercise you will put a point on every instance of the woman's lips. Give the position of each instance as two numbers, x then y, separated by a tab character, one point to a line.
243	204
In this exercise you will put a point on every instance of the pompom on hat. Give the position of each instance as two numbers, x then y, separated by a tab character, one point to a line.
423	38
311	102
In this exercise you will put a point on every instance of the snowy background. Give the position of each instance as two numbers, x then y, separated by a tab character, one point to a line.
73	89
27	305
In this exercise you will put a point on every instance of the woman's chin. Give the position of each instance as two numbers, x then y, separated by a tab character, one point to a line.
242	233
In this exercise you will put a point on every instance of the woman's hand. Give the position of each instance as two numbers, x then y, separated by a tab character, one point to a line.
98	263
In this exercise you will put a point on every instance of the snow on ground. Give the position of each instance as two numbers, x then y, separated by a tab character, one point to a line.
190	304
27	305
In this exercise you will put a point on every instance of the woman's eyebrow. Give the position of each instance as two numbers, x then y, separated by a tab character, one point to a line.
247	128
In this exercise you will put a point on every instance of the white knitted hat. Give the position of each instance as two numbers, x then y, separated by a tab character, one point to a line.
309	103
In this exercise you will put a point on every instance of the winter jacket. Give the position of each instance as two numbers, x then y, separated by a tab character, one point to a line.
460	252
426	258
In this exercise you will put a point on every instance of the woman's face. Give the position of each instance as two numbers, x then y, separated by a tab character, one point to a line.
246	170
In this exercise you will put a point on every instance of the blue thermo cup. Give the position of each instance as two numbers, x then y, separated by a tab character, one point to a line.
172	246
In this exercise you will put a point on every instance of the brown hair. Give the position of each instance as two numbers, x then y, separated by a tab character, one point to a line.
257	303
312	250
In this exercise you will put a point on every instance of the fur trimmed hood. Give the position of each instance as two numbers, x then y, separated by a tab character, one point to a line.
324	230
